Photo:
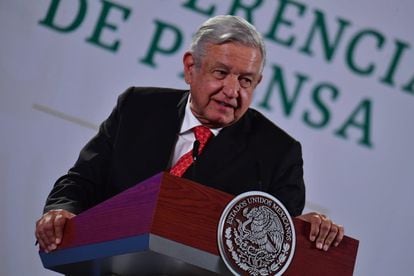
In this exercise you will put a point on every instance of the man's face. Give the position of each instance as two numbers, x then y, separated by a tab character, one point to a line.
222	86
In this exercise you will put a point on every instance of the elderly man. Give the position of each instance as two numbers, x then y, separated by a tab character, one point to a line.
157	129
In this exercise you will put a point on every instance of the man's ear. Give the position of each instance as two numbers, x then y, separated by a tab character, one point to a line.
188	62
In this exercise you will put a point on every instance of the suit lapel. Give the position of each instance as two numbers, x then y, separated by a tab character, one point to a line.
167	129
223	149
174	129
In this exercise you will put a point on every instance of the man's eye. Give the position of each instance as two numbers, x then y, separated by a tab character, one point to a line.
220	74
245	82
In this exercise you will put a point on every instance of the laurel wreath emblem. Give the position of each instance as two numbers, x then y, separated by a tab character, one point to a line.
256	235
252	259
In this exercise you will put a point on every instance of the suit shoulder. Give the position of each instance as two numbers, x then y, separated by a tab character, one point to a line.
149	95
151	92
264	127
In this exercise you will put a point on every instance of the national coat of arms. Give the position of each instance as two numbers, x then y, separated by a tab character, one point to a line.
256	235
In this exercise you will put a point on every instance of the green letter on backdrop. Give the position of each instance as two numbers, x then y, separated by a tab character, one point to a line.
322	89
102	23
365	110
161	30
288	102
50	19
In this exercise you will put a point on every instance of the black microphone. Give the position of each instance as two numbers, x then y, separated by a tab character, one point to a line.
196	146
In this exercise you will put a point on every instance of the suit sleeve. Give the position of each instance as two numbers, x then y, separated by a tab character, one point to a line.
288	184
86	183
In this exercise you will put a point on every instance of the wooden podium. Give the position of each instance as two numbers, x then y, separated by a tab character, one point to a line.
167	226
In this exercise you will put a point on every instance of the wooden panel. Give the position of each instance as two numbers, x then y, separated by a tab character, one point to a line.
338	261
189	213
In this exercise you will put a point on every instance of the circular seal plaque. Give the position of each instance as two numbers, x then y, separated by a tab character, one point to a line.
256	235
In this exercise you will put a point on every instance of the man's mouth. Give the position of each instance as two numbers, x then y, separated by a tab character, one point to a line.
229	105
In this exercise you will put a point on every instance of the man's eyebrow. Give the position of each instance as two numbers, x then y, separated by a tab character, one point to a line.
220	64
223	65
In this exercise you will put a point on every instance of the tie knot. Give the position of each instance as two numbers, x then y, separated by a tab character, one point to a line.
202	134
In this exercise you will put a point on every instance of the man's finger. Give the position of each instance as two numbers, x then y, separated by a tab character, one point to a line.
331	237
340	236
59	225
45	232
39	239
324	229
315	221
48	230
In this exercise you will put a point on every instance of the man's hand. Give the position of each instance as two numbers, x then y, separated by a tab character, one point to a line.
49	228
323	230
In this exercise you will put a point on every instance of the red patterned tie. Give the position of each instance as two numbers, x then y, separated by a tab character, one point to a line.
202	134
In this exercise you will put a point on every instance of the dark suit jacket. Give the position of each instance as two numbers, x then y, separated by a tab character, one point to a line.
137	141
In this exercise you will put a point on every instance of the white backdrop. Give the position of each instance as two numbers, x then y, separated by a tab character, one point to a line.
339	78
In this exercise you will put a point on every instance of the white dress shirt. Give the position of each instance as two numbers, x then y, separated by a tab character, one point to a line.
186	136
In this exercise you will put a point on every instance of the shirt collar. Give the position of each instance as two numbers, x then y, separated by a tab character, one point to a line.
190	121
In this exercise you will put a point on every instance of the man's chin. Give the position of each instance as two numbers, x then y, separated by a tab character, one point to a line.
222	122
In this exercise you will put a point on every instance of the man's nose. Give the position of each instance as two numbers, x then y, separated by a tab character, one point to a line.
231	86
